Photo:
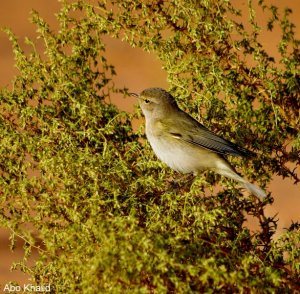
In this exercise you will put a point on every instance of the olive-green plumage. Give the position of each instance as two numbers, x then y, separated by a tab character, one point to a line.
184	144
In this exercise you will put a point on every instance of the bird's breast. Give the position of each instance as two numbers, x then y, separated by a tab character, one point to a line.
172	152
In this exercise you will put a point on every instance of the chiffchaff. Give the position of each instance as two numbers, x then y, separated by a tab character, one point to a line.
183	143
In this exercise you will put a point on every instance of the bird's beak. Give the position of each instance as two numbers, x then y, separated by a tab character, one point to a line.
134	95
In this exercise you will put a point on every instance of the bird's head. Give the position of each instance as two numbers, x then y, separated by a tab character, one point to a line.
155	101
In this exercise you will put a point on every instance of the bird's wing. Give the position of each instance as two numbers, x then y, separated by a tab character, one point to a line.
191	131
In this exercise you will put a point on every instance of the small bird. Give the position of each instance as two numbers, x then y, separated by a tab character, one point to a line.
183	143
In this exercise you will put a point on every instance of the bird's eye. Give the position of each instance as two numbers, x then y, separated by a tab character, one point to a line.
147	101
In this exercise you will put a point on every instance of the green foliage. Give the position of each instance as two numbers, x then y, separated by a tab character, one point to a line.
85	191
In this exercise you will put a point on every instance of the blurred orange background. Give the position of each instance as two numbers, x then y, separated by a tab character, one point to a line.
136	70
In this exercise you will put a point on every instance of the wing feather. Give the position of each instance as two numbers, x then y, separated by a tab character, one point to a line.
191	131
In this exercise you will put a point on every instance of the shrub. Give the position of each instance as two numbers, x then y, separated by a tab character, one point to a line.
103	213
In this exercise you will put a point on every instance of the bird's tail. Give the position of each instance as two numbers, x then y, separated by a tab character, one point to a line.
225	169
258	192
229	172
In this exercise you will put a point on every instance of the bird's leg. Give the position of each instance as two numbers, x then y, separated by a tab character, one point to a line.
187	179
